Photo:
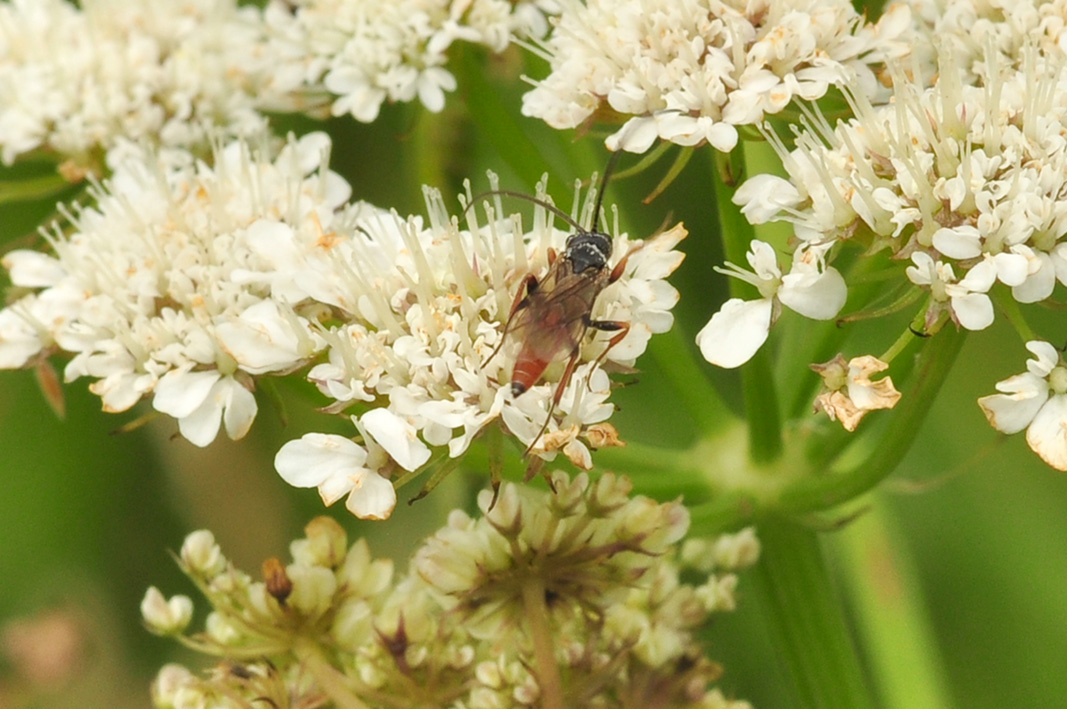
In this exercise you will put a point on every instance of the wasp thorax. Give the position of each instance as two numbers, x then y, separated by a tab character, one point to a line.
588	249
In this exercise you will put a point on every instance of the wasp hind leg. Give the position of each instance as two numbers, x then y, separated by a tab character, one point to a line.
572	361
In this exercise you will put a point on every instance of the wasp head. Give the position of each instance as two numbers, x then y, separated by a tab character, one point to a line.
588	250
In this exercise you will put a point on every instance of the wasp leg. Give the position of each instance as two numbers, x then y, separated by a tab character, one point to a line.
617	326
527	285
560	387
616	273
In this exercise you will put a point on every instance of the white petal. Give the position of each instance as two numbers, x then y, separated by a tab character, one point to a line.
1012	411
373	497
763	260
180	392
202	425
240	411
316	457
1046	356
736	332
398	437
1047	435
981	276
1012	269
763	197
32	269
636	135
961	242
820	298
973	310
1038	286
261	339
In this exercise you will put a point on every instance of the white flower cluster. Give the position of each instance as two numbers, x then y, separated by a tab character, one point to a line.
692	71
364	53
1036	401
969	30
966	182
186	281
160	288
425	306
75	80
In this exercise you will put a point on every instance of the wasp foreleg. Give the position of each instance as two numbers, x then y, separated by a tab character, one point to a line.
620	267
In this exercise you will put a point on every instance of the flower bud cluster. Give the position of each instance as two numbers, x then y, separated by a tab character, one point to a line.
587	565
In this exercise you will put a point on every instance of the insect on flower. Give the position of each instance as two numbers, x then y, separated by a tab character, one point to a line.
552	314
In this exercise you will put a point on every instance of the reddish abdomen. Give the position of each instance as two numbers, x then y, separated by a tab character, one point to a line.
527	372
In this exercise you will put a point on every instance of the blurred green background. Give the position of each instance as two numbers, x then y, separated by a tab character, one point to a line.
88	517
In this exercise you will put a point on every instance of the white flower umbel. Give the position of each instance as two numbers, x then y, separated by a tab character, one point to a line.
358	54
157	290
421	307
74	80
1037	401
740	328
691	71
970	29
965	181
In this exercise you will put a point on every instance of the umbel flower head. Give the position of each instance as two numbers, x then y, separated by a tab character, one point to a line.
692	71
74	80
422	308
157	289
588	568
359	54
965	182
969	30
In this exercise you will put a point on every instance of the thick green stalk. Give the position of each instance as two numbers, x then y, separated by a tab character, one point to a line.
691	388
761	398
892	624
805	620
820	492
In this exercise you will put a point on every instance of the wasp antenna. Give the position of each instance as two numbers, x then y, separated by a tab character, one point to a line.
539	202
603	186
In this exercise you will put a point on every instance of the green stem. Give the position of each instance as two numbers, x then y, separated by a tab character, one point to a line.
33	188
837	466
550	681
805	619
1010	308
675	357
881	584
824	491
331	681
761	397
496	120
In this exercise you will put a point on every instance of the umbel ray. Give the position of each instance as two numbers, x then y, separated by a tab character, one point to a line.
551	314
